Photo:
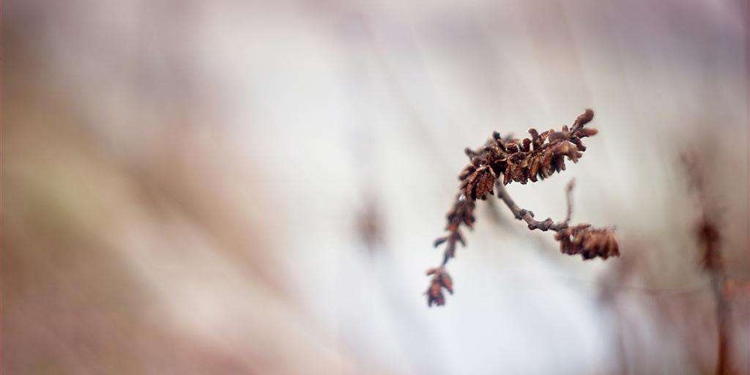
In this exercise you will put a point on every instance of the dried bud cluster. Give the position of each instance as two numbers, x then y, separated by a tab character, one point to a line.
588	241
461	213
530	159
440	280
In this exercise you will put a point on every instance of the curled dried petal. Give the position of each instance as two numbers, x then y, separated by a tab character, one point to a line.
587	132
447	282
439	241
584	118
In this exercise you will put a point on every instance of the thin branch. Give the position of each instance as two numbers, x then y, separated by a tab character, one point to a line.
569	199
528	216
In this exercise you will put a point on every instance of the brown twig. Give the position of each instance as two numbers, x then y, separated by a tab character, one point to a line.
569	199
528	216
580	239
530	159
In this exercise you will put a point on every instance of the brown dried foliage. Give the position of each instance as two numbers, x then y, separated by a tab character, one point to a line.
531	159
587	241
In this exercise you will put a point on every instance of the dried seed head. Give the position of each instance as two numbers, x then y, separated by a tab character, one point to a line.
587	241
440	280
542	155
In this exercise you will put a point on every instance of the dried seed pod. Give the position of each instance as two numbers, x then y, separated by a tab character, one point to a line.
559	164
479	183
587	132
579	144
526	145
508	174
584	118
435	295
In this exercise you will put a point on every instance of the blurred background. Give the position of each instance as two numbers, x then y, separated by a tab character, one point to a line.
253	187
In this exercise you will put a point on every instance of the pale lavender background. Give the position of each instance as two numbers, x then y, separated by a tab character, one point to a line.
218	156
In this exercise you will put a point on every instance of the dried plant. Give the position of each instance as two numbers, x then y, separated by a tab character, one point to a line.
530	159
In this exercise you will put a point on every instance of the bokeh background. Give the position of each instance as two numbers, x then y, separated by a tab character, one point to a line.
253	186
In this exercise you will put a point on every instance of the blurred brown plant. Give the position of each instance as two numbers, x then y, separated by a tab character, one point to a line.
530	159
708	236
